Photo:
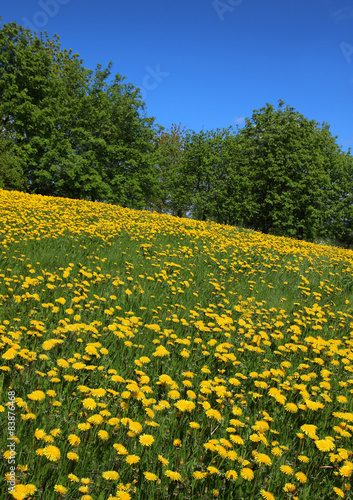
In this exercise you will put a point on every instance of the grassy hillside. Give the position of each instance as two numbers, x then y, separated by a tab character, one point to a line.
146	356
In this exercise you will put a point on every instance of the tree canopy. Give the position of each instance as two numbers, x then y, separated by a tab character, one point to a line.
75	133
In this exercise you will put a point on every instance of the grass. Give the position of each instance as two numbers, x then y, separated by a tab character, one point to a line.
155	357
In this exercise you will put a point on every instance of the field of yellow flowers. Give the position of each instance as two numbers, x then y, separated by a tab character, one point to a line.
149	357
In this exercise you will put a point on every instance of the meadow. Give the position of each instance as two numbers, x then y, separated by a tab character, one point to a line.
148	356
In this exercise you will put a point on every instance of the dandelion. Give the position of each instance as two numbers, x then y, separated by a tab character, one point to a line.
301	477
263	459
110	475
120	449
146	439
150	477
123	495
212	470
160	352
39	434
231	474
163	460
135	427
103	435
36	396
286	469
236	439
72	456
247	474
52	453
347	469
214	414
339	492
266	495
232	455
184	405
199	475
95	419
309	430
84	427
291	407
60	489
289	488
89	403
74	440
132	459
174	476
325	445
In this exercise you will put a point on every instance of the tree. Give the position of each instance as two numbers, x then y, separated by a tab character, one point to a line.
11	174
294	171
76	132
168	159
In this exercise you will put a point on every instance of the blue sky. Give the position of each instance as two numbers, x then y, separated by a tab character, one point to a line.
207	64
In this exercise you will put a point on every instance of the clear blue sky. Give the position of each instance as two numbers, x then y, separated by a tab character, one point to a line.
208	64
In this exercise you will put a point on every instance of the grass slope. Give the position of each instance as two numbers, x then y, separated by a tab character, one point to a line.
146	356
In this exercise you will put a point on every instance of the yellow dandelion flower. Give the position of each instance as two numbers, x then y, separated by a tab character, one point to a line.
325	445
263	459
161	351
199	475
74	440
266	495
60	489
132	459
39	434
120	449
231	474
163	460
174	476
72	456
110	475
103	435
347	469
247	474
289	488
84	427
339	492
184	405
95	419
214	414
52	453
89	403
301	477
291	407
146	439
150	477
286	469
309	430
36	396
123	495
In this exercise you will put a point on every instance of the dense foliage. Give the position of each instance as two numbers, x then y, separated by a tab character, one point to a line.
76	133
72	132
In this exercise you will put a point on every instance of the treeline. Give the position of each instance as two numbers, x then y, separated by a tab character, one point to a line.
72	132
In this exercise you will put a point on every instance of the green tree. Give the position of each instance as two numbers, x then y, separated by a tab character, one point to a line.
11	174
169	196
77	133
295	172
